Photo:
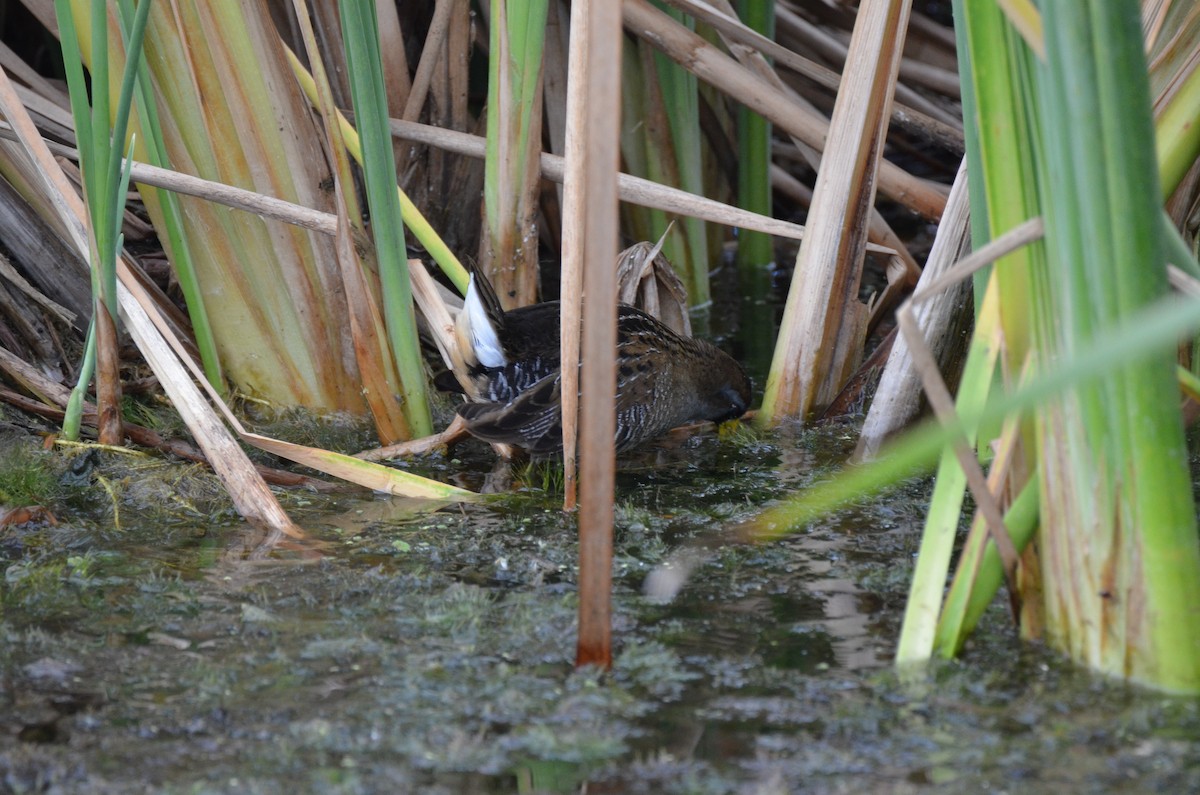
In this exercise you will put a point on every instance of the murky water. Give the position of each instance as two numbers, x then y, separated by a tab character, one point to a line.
432	652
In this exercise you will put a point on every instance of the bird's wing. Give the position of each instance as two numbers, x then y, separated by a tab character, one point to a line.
533	420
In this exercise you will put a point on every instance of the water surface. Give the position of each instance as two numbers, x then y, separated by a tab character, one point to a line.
405	650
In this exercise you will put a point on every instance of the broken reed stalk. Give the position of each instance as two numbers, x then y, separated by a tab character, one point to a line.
602	82
898	397
824	323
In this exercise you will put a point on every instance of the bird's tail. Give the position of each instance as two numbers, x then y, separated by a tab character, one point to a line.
475	330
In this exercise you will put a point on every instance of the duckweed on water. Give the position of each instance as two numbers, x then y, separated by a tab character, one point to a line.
434	652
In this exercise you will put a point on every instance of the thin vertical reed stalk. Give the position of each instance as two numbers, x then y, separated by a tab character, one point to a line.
602	80
574	248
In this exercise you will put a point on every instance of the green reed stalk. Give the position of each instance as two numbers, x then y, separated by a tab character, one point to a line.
361	37
106	181
681	97
1120	561
970	111
754	152
980	573
1001	131
945	506
645	147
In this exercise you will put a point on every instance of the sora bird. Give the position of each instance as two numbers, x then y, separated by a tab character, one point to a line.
508	363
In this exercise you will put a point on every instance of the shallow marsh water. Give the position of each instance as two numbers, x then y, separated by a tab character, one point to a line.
411	651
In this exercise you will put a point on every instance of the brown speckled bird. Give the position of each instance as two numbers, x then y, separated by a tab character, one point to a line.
509	364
